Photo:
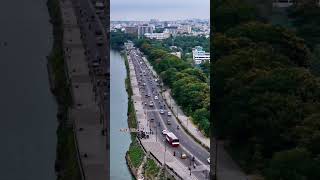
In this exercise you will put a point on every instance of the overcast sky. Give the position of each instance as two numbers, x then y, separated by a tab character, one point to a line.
159	9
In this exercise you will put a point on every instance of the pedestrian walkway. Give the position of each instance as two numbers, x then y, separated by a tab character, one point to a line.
85	111
158	151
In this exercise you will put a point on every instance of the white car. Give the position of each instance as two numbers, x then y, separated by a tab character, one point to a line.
164	132
169	113
156	97
161	111
151	104
208	160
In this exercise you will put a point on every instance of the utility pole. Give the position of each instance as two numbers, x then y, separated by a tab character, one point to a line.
156	133
164	158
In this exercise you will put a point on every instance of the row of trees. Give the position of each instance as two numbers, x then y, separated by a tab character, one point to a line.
186	43
189	85
266	100
118	38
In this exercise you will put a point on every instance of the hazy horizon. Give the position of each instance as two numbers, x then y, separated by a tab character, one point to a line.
143	10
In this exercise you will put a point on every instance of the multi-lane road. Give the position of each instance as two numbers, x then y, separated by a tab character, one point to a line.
150	88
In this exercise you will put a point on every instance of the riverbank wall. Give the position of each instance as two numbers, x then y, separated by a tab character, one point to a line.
66	164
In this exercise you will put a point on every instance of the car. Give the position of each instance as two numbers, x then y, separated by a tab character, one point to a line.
164	132
183	156
156	97
151	104
208	160
149	95
161	111
144	84
168	122
169	113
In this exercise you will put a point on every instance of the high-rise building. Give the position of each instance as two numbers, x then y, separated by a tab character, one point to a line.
144	29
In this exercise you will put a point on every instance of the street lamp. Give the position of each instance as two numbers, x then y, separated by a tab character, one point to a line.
164	158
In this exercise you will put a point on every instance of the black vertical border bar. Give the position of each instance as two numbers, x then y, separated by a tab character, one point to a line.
213	141
107	99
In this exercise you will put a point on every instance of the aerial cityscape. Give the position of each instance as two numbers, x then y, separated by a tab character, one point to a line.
160	90
174	131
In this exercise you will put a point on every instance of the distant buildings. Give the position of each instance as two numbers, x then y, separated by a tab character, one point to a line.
131	30
191	27
143	29
199	55
186	29
157	36
173	30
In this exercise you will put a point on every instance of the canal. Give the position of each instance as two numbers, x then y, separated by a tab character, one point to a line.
27	107
119	141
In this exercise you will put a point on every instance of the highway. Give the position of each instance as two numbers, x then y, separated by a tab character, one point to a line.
149	88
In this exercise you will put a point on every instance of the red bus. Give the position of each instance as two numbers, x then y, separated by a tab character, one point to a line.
172	139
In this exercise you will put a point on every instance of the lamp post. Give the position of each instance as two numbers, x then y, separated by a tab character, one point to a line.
164	158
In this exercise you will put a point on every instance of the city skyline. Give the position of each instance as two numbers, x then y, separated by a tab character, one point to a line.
143	10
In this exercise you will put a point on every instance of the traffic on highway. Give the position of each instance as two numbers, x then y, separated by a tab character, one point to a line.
162	122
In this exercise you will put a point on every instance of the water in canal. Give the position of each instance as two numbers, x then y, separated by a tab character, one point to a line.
119	141
27	108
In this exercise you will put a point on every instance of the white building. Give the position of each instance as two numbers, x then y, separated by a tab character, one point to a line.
158	36
199	55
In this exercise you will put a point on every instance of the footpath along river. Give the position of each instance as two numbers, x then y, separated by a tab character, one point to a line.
119	141
27	107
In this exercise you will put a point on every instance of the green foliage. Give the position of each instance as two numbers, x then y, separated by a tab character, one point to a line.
295	164
151	169
118	38
229	13
280	39
315	61
307	22
68	163
135	154
266	100
186	43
